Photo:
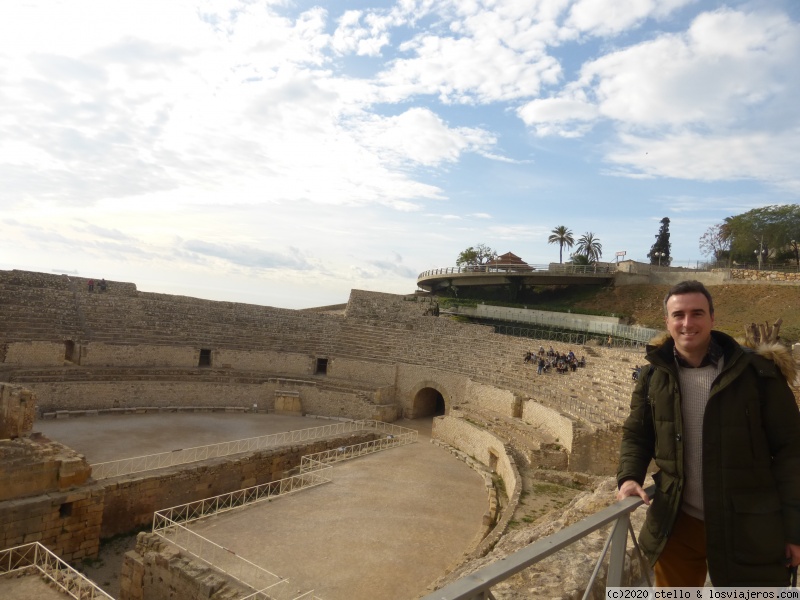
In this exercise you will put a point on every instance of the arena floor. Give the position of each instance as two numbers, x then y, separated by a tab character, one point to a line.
388	525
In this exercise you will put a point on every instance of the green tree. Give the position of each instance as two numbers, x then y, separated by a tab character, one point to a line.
580	259
590	247
563	237
660	251
763	232
476	255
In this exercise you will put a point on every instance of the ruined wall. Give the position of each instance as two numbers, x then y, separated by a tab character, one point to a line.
33	465
17	411
596	452
384	307
67	523
157	570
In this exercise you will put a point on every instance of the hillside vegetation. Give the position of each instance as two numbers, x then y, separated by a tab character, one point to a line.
734	305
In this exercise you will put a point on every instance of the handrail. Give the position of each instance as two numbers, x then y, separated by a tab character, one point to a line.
35	555
478	585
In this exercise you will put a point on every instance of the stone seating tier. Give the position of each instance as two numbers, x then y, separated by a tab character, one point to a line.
472	350
123	374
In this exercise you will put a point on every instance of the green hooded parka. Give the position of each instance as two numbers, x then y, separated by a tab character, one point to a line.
751	459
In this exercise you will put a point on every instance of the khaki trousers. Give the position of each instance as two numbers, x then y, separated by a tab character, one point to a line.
683	561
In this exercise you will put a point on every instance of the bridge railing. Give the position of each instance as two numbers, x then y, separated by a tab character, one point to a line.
478	585
562	269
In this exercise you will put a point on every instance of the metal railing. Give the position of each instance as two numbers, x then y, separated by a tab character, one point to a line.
570	269
311	461
569	337
36	557
478	585
138	464
170	524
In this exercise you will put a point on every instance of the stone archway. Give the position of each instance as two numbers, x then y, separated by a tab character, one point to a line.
428	402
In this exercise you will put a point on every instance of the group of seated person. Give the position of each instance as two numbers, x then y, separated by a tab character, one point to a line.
560	362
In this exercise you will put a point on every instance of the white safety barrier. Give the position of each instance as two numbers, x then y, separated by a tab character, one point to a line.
36	557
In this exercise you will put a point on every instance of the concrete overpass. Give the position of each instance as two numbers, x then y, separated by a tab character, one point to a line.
522	275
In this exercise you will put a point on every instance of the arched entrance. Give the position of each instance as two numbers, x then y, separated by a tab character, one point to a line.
428	402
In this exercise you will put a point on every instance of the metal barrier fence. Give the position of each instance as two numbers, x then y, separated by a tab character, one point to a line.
478	585
138	464
312	461
37	557
566	337
170	524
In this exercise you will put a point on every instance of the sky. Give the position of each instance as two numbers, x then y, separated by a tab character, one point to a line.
283	153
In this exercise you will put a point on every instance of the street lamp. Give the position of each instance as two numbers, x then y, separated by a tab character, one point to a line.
760	254
659	255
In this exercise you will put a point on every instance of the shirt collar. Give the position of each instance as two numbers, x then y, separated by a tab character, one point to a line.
712	357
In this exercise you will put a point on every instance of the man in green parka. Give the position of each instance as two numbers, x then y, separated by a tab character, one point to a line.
723	426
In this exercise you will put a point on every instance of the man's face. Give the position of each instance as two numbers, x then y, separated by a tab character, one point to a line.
689	323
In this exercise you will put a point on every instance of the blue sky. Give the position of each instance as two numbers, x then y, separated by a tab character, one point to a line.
283	153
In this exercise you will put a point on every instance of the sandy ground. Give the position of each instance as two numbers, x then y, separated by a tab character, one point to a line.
389	524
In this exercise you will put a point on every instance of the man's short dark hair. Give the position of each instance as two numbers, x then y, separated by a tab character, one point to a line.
689	287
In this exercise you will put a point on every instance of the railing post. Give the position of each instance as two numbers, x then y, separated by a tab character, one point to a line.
619	541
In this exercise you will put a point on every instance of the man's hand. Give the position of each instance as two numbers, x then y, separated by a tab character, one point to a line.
792	554
631	488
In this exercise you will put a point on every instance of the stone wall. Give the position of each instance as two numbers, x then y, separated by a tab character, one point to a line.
34	353
492	398
67	523
31	466
596	452
480	444
377	373
384	307
58	396
411	379
157	570
489	450
99	354
265	361
552	421
766	276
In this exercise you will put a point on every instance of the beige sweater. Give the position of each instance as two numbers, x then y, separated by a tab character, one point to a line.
695	386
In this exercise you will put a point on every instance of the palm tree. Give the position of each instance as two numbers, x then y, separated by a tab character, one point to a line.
563	237
590	246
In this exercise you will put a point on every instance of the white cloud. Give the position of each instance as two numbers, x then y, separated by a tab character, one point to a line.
561	116
420	136
610	17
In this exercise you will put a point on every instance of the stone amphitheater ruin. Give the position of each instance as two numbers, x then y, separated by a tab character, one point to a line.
66	353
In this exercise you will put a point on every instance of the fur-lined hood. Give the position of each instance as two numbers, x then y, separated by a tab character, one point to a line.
774	351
